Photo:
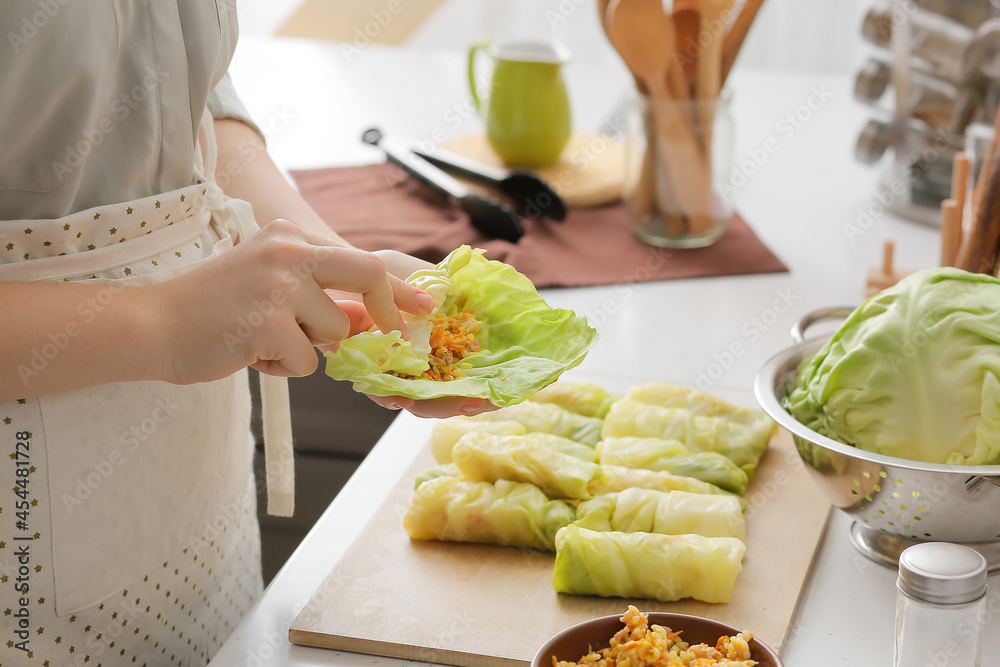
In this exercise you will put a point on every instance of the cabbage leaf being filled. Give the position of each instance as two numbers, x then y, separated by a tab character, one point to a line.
913	373
523	343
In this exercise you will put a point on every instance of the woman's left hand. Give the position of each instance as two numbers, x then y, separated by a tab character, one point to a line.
402	265
436	408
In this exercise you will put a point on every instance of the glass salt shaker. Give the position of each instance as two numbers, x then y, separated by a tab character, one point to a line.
940	601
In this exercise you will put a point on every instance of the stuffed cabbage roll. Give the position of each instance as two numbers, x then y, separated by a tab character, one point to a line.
483	457
646	565
548	418
742	444
507	513
619	478
668	395
673	457
579	397
666	513
440	470
575	449
448	431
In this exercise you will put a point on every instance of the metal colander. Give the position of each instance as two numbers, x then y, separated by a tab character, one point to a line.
895	502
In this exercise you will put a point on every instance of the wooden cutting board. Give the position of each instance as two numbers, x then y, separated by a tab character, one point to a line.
489	606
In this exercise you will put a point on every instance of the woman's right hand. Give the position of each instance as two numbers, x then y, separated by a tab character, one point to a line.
262	305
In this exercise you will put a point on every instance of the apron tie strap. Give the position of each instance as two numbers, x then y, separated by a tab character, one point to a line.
236	216
279	461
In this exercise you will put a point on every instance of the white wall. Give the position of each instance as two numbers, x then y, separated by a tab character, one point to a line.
802	35
810	35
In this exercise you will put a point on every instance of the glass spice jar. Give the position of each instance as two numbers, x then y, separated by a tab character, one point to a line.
940	602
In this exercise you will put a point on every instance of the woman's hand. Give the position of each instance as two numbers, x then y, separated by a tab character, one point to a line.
259	181
436	408
263	305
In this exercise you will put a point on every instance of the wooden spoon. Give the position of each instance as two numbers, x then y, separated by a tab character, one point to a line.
602	14
642	203
687	20
645	37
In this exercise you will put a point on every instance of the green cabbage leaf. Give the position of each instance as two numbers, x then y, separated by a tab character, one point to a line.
524	343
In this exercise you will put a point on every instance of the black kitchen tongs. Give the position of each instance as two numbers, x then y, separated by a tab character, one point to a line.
530	194
493	218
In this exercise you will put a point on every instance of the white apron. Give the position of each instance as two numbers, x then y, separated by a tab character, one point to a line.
133	472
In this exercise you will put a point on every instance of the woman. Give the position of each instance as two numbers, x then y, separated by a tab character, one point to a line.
133	295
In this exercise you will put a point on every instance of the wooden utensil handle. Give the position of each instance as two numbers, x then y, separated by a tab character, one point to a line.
683	160
972	254
737	34
641	203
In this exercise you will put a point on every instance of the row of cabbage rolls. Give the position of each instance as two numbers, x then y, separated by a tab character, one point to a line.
639	496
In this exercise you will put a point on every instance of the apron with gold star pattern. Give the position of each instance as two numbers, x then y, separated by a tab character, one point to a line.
127	511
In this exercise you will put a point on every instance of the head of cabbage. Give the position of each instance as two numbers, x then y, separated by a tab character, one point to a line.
913	373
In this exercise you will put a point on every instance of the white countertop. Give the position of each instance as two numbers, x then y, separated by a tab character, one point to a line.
807	200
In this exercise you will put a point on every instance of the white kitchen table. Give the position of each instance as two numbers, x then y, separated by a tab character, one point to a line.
804	195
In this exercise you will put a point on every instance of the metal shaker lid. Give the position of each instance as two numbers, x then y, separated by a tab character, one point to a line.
872	81
942	573
877	24
872	142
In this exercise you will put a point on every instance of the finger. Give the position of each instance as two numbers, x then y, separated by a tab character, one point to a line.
320	317
359	318
436	408
364	273
409	298
402	265
391	402
290	353
449	406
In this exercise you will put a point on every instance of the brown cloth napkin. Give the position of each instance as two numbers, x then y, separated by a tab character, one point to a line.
377	206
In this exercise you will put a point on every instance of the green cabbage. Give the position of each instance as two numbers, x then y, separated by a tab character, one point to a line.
913	372
524	344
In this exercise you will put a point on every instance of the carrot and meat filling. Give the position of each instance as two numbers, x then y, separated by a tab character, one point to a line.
453	339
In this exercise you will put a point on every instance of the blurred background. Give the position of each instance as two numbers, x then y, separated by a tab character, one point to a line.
803	35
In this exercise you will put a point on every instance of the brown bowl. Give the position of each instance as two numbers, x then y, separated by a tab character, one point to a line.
576	641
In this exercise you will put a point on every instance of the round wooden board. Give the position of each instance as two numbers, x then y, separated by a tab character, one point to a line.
590	171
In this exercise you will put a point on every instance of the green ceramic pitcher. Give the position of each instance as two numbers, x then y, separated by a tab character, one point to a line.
527	112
